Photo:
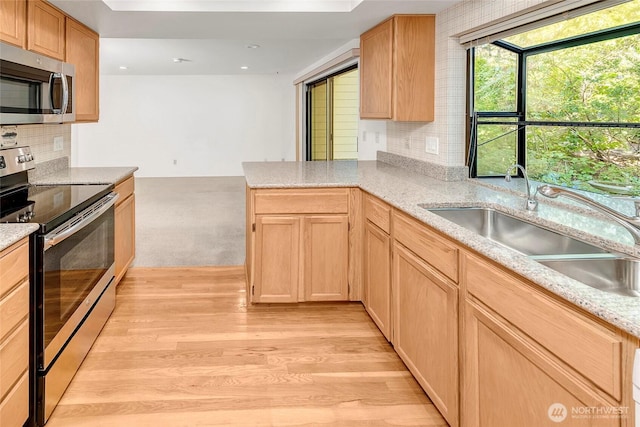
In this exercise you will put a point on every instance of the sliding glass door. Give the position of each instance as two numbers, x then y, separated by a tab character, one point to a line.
332	117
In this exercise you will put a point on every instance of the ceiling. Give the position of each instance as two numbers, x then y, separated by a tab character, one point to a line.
213	35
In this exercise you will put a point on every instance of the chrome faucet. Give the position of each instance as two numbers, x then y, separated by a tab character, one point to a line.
631	223
532	203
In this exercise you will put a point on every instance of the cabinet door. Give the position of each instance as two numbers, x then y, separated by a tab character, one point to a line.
277	256
414	67
377	277
13	22
326	258
83	52
376	72
508	382
425	329
45	29
125	235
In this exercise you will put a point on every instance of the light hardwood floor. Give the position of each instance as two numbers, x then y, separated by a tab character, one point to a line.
183	349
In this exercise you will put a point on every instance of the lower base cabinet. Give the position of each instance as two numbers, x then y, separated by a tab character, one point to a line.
125	227
377	277
426	329
301	258
277	261
531	360
509	382
14	334
326	257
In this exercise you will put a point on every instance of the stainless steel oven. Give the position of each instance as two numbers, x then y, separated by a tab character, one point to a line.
35	88
74	271
71	272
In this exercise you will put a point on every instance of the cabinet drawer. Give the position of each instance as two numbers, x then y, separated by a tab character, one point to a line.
13	308
14	357
14	267
432	248
378	212
125	189
302	201
14	409
587	347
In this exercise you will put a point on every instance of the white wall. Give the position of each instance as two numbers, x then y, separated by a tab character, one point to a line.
208	124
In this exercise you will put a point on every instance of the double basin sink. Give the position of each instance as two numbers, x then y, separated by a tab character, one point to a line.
584	262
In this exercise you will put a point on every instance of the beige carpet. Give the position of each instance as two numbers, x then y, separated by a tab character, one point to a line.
190	221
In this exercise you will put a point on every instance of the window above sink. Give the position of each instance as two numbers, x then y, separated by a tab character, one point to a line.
561	100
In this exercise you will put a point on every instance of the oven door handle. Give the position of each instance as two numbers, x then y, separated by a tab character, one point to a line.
81	220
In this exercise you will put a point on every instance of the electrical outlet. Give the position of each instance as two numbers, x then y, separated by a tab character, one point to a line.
431	145
58	143
377	137
175	162
364	136
407	142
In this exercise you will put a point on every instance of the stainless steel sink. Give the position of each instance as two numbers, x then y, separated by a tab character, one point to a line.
520	235
616	275
586	263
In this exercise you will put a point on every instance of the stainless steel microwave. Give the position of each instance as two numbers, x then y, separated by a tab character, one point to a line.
35	88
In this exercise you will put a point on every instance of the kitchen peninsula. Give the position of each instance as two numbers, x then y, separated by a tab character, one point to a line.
437	290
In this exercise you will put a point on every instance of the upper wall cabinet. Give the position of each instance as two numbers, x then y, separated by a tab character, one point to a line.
38	26
83	47
13	22
397	61
45	28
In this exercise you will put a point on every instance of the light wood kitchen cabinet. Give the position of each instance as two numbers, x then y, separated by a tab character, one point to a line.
425	328
45	29
14	334
13	22
40	27
397	68
526	352
277	260
300	249
125	227
377	264
326	257
82	50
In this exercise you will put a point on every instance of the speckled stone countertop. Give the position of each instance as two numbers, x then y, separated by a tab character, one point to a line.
12	233
101	175
410	191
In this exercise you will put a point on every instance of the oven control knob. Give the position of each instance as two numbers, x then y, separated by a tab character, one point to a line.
21	159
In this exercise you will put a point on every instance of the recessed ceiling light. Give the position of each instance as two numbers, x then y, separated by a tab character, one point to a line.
244	67
180	60
253	46
122	67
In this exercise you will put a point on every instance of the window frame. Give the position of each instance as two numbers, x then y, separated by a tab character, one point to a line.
474	117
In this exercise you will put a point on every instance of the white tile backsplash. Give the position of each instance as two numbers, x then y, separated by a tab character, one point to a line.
41	140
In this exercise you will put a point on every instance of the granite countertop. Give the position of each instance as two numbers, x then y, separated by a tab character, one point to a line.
12	233
90	175
407	190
